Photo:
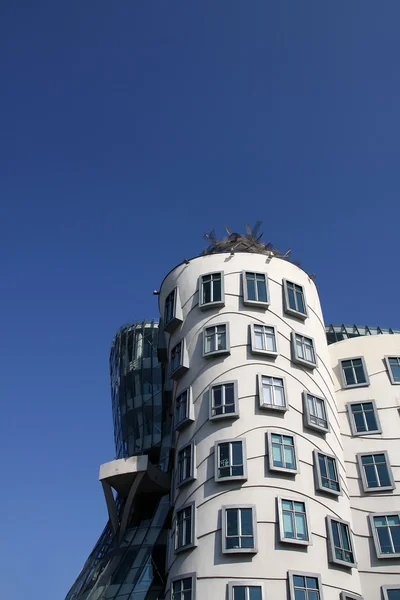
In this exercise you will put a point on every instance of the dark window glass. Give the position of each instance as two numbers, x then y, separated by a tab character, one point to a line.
353	370
394	363
376	470
364	417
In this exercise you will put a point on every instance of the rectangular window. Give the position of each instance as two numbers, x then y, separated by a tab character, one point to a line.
294	300
169	310
185	464
315	414
327	476
305	586
183	588
393	367
255	288
354	372
391	592
271	391
216	340
293	525
230	460
263	340
184	529
349	596
281	452
376	474
245	590
178	360
183	409
386	533
211	290
303	350
239	529
340	543
363	418
223	400
172	311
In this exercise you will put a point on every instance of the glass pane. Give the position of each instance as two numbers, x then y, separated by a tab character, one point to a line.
299	594
217	290
299	581
251	287
289	457
254	592
237	455
261	290
232	542
279	396
359	421
383	474
287	505
267	396
259	340
224	455
360	374
277	455
288	525
300	302
393	520
301	527
370	475
322	466
247	542
335	534
395	531
393	594
206	291
239	592
217	395
221	343
247	521
232	522
312	583
314	595
332	469
349	374
380	521
384	540
371	420
292	301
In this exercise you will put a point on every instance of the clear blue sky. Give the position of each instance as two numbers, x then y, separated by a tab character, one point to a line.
128	129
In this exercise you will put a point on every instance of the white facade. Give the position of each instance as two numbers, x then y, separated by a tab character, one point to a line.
213	563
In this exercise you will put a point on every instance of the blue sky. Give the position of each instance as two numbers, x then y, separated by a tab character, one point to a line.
129	128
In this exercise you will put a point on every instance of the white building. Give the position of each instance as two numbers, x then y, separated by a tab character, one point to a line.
287	464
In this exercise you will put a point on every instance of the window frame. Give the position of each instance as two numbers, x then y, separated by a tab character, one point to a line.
296	358
255	350
184	362
226	550
192	475
307	415
181	577
243	477
331	544
386	588
375	537
286	305
271	465
192	543
177	317
282	538
364	481
226	350
261	403
246	583
352	420
318	475
189	417
350	596
231	415
246	300
343	376
389	369
218	303
316	576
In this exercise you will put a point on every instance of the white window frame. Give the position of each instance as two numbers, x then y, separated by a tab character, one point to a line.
192	543
386	588
307	414
177	316
271	465
295	355
191	576
345	385
212	304
389	369
184	361
217	444
379	553
246	583
350	596
226	350
254	548
261	403
230	415
283	539
364	480
318	475
192	474
352	420
286	305
246	300
316	576
189	416
263	351
331	544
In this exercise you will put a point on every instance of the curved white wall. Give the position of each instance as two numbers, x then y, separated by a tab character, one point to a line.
374	572
273	559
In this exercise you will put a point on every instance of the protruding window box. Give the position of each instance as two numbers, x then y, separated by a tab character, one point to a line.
173	316
179	362
263	340
211	290
183	413
255	289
